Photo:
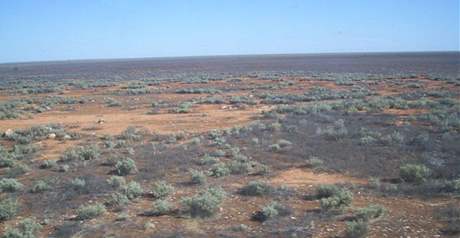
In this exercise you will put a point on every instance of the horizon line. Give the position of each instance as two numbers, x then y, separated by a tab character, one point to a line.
221	55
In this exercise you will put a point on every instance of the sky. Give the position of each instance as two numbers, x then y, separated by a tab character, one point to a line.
32	30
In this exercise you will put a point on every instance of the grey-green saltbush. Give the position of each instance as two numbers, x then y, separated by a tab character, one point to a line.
125	166
161	207
414	173
219	170
197	177
27	228
8	209
204	204
338	201
10	185
256	188
85	212
39	186
162	189
356	229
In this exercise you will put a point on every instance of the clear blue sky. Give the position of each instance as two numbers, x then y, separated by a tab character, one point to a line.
32	30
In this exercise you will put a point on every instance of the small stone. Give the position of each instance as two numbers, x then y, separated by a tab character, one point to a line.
9	132
51	136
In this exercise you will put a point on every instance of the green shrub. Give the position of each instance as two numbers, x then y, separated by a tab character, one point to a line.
204	204
356	229
315	163
118	200
336	131
10	185
78	184
48	164
81	153
256	188
369	212
161	207
450	215
132	190
86	212
161	189
17	170
125	166
116	182
413	173
219	170
270	211
197	177
6	162
337	201
39	186
27	228
327	190
8	209
207	160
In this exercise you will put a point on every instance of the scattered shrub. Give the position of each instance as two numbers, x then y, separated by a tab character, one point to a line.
81	153
27	228
270	211
125	166
356	229
413	173
219	170
161	189
197	177
451	216
116	182
338	201
39	186
78	184
161	207
204	204
256	188
315	163
327	190
86	212
132	190
48	164
117	200
10	185
8	209
368	213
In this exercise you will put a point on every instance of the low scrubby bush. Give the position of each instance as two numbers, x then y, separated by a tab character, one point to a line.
125	166
86	212
340	200
161	207
204	204
272	210
219	170
10	185
27	228
39	186
256	188
414	173
8	209
81	153
356	229
162	189
368	213
197	177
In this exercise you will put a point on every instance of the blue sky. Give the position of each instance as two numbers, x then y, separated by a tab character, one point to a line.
64	29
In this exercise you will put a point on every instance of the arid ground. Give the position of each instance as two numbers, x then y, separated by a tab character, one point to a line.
232	147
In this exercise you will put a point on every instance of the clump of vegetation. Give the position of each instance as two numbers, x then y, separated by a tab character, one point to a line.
162	189
315	163
333	197
116	182
78	184
117	200
451	216
272	210
8	209
86	212
27	228
197	177
414	173
48	164
40	186
219	170
256	188
337	131
10	185
132	190
161	207
356	229
125	166
81	153
204	204
368	213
